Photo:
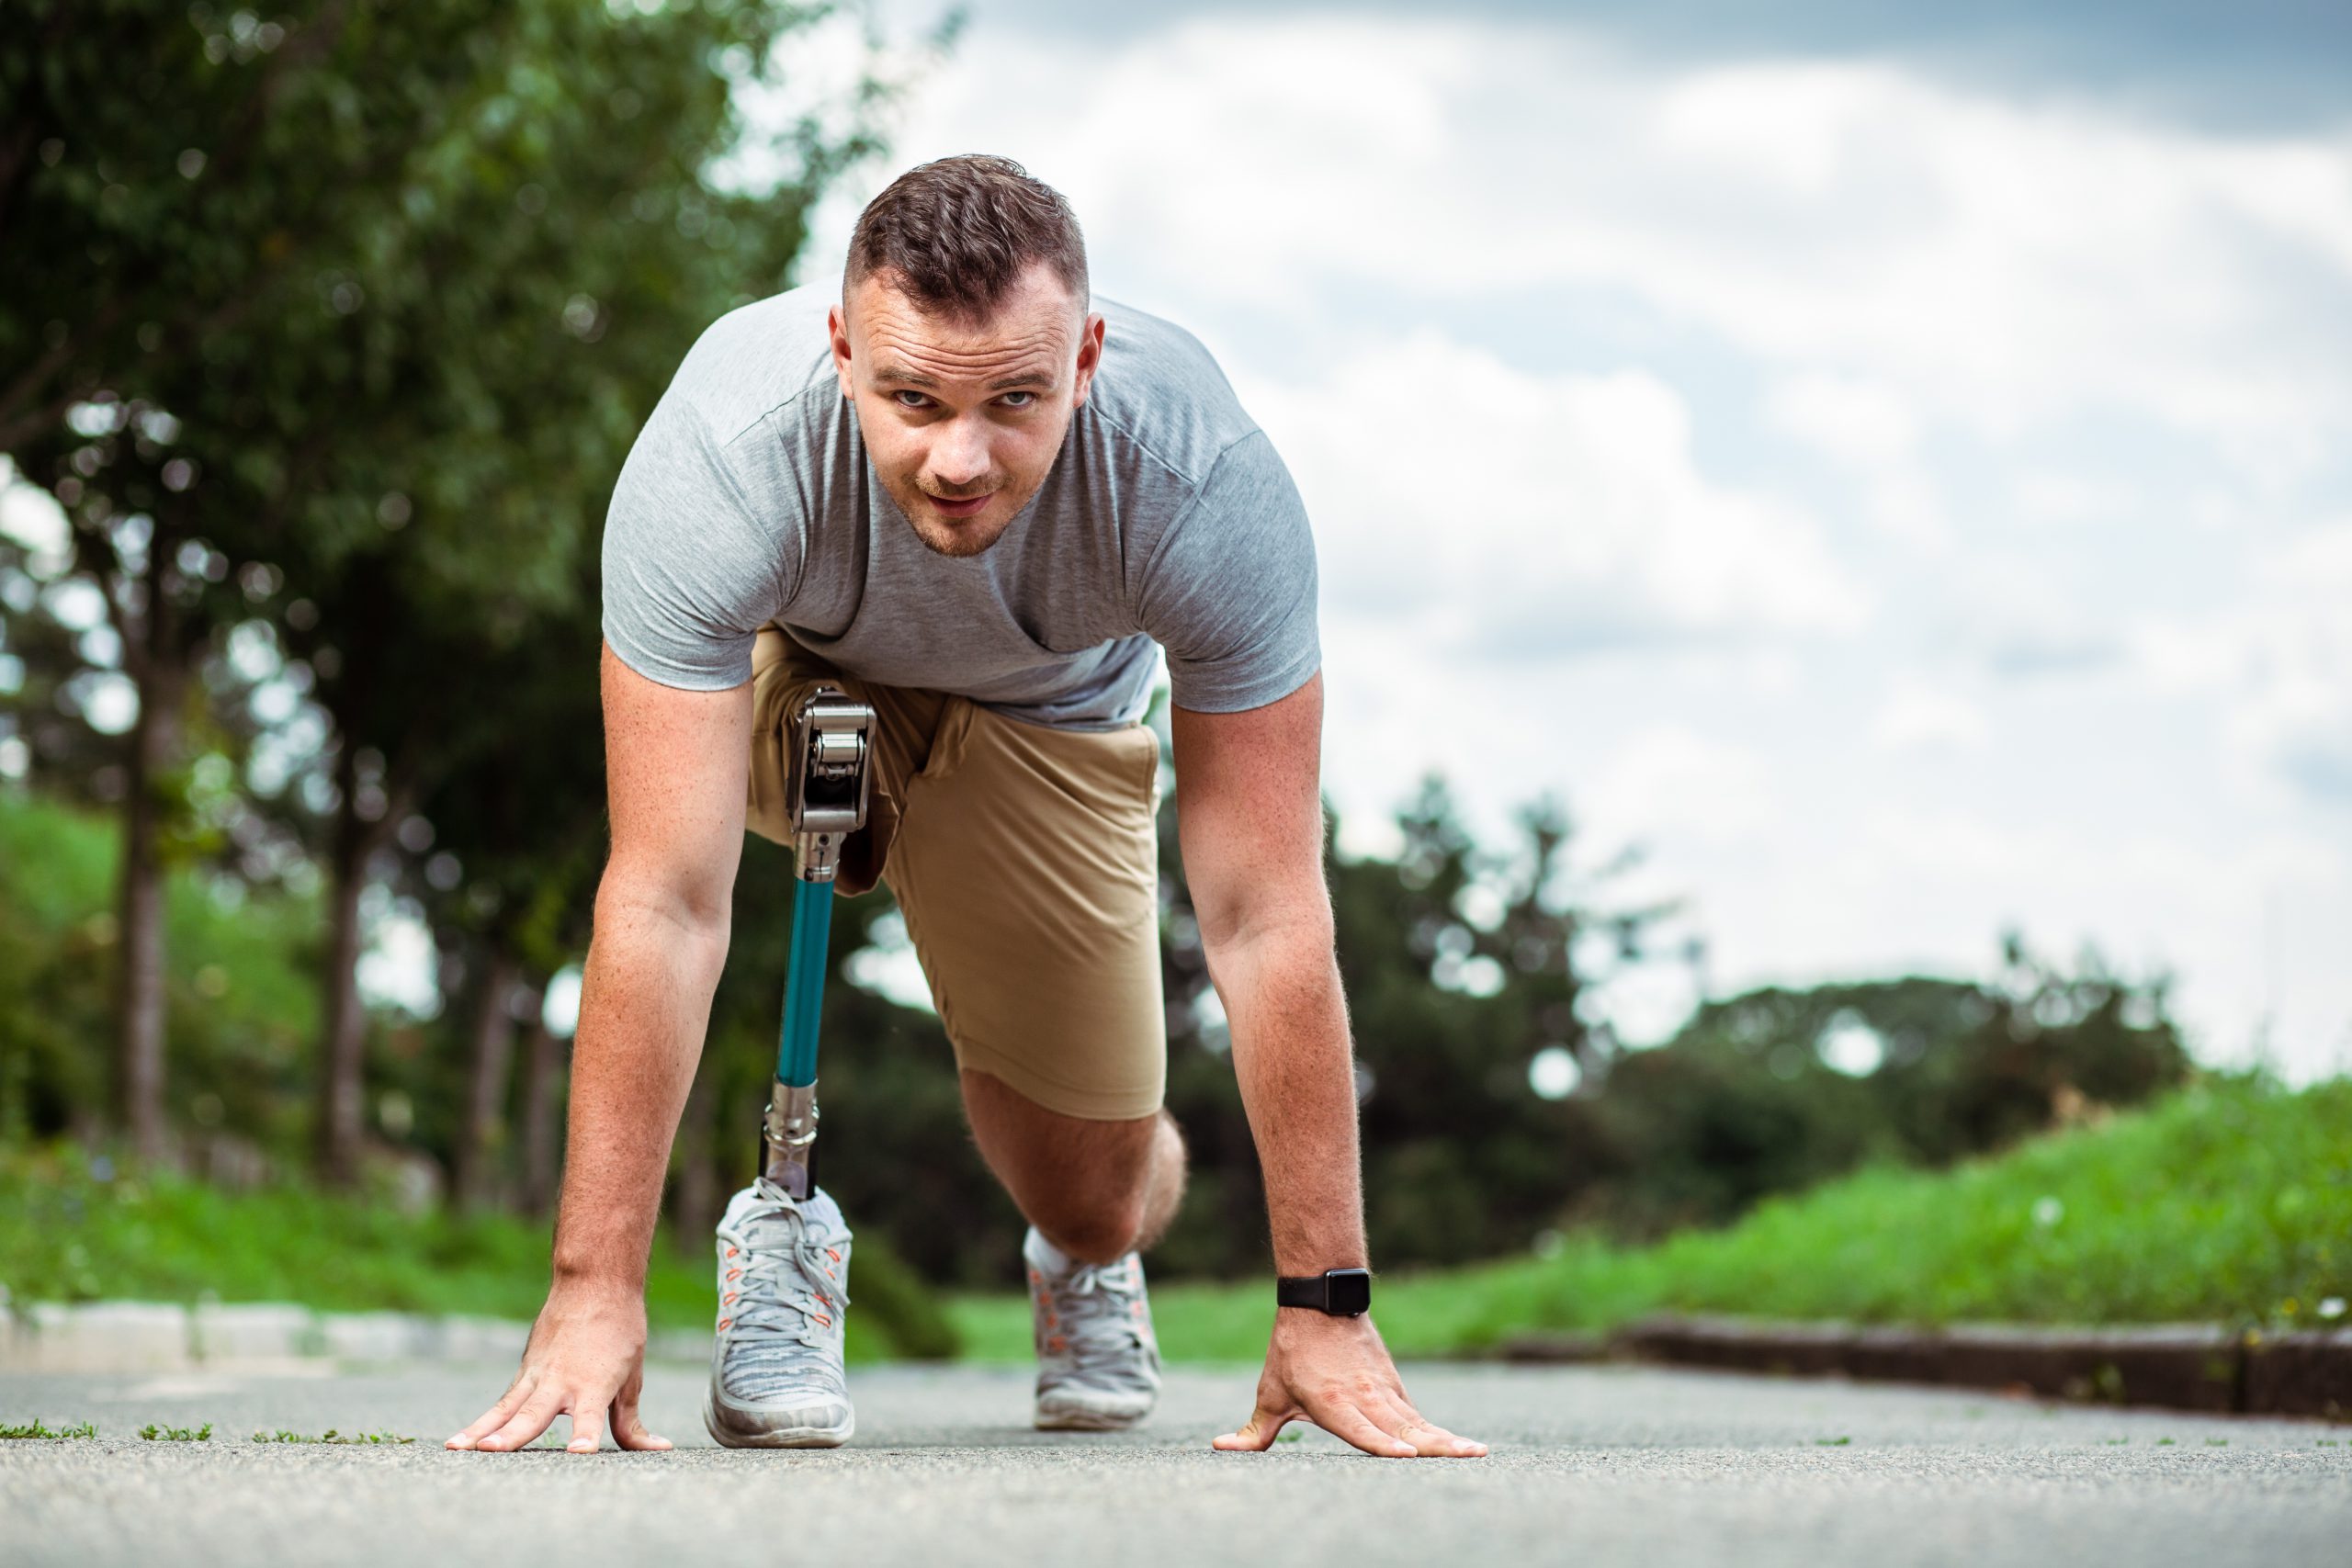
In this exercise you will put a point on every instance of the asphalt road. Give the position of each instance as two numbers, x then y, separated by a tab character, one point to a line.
1593	1466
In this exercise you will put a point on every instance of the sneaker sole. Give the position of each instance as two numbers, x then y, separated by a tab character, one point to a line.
1087	1421
727	1436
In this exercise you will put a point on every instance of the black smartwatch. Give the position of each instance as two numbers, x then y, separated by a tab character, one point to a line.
1342	1292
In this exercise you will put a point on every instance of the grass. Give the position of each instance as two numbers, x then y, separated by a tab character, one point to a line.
34	1429
69	1233
2230	1203
331	1436
155	1434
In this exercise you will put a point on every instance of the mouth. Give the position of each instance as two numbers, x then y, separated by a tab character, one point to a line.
957	508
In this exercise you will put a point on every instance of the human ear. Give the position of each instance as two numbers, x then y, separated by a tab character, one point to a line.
837	325
1090	354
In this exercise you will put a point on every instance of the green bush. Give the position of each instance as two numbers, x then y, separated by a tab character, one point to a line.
72	1230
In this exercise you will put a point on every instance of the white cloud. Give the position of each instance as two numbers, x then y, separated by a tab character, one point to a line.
1860	424
2280	657
1573	517
1671	780
1917	717
1873	431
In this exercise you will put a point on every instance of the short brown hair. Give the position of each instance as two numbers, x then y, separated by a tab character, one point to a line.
957	233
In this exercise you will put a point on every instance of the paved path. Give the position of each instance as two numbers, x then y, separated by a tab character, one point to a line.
1590	1466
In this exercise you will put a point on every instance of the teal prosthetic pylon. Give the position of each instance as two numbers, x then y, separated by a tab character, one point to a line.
828	781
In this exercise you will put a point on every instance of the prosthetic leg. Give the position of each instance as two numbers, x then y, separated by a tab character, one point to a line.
827	783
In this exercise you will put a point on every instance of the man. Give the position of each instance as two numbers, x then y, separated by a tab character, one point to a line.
971	501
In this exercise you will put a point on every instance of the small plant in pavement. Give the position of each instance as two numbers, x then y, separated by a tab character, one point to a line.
155	1434
1831	1442
34	1429
331	1436
2217	1442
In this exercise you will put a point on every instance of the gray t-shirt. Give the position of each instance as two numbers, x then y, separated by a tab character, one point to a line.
1167	517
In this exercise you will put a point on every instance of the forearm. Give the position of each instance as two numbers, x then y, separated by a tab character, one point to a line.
645	1003
1291	1054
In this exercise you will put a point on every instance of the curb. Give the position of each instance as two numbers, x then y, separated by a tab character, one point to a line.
2176	1366
159	1336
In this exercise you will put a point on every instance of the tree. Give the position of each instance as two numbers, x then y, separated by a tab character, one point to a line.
1460	966
517	839
283	290
1780	1087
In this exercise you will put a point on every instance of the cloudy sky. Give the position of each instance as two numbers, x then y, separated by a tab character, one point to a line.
1899	474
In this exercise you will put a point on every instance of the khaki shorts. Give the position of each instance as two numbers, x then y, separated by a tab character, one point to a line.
1025	862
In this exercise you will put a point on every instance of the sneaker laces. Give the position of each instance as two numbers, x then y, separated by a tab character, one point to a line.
780	1311
1092	1314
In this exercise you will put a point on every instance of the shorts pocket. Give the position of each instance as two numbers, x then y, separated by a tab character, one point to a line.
951	742
1147	759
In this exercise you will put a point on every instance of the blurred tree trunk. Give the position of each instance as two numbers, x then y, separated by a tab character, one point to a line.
339	1109
490	1060
542	1056
341	1104
154	741
150	630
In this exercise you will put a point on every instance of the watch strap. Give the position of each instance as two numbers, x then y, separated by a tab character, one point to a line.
1301	1291
1341	1292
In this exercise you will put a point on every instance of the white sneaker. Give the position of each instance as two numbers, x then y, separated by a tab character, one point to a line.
777	1379
1098	1362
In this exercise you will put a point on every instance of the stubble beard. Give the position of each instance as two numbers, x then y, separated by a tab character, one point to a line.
958	544
957	541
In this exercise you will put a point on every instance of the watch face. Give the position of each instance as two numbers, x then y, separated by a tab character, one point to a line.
1348	1291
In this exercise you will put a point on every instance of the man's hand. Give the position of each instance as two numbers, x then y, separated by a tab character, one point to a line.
1335	1373
676	766
585	1359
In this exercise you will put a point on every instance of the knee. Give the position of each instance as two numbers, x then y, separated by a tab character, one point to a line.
1102	1220
1100	1232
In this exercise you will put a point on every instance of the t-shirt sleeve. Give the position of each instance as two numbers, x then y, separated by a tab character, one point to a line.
1230	593
689	577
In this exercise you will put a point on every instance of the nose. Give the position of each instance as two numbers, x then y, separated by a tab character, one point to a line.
960	456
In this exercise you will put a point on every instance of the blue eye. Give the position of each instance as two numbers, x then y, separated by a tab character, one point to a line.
1030	396
919	399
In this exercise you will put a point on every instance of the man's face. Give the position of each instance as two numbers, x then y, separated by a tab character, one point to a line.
962	420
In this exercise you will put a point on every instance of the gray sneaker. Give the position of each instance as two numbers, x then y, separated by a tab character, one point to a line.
776	1374
1098	1362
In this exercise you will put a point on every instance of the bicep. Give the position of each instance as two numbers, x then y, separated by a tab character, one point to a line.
1249	814
677	764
